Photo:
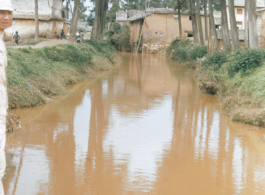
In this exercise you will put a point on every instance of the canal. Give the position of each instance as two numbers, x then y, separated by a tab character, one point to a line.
143	128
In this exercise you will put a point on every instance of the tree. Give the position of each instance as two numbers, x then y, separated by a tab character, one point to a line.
82	10
36	20
253	37
100	19
73	28
205	19
234	32
181	4
194	22
246	41
225	30
111	14
199	21
212	26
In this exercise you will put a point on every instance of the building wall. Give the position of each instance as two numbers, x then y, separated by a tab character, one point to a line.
57	8
28	6
26	28
135	28
163	28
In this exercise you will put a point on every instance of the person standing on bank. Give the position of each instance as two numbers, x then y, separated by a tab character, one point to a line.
6	17
16	37
62	34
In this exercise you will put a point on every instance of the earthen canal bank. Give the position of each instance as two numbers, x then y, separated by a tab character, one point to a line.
143	128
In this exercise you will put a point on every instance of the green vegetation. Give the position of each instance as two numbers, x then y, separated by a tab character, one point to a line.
35	74
35	42
119	36
184	51
238	79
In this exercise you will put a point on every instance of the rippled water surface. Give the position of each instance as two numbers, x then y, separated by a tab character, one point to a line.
143	128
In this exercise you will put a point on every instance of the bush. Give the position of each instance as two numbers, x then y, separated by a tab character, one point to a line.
119	36
114	29
35	42
185	51
244	61
215	60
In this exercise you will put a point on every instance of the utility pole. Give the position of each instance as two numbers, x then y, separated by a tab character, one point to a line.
36	20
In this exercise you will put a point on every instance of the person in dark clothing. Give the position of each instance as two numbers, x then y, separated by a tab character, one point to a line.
62	34
16	37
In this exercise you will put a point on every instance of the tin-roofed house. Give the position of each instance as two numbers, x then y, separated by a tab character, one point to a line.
51	18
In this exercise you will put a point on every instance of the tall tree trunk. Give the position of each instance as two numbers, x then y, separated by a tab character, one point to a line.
73	28
179	19
225	30
212	26
36	20
199	21
67	10
234	32
253	37
246	41
194	22
100	18
206	20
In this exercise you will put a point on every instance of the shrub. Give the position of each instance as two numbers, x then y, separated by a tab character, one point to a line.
215	60
244	61
185	51
114	29
35	42
119	36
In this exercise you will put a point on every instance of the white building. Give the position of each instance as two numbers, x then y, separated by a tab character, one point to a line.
51	18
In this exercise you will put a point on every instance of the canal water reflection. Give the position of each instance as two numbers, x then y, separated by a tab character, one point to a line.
144	128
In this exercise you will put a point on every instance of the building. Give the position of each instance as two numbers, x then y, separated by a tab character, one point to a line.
157	27
51	18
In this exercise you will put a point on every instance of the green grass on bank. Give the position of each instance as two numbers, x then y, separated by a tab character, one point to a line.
35	74
237	78
35	42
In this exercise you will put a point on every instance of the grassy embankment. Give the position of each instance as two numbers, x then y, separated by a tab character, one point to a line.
35	74
238	79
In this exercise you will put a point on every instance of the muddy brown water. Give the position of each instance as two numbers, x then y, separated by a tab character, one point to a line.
143	128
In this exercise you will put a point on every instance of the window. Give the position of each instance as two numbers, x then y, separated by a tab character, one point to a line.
239	25
190	18
239	11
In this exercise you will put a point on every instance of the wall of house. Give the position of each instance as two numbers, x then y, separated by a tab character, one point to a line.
28	7
26	28
163	28
262	27
57	8
135	27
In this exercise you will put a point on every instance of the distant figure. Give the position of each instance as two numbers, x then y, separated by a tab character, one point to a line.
16	37
62	34
57	35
